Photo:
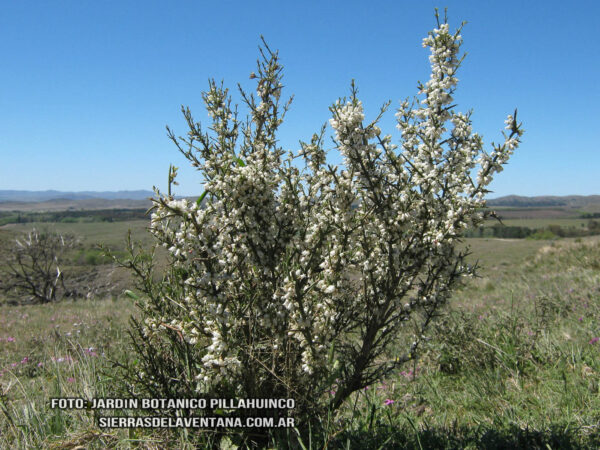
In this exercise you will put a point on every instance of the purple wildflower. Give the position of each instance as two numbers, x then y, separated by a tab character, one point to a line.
594	340
388	401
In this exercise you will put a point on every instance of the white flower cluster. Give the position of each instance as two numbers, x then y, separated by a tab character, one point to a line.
283	263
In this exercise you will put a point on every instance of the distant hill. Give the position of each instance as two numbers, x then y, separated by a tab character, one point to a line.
569	201
44	196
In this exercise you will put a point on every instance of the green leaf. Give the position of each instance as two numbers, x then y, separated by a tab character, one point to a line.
199	201
331	350
132	295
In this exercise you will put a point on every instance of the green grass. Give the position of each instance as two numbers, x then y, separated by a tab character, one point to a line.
493	253
542	223
110	234
58	350
512	363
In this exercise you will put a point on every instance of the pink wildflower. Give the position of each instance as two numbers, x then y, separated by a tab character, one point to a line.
594	340
388	401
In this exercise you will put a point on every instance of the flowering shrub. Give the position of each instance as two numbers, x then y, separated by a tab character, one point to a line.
290	275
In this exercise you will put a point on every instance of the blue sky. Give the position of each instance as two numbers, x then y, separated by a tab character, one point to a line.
87	87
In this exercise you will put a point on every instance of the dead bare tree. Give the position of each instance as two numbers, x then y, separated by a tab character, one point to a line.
32	271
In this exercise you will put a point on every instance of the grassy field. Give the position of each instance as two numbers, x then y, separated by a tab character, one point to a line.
498	253
514	362
110	234
113	235
536	223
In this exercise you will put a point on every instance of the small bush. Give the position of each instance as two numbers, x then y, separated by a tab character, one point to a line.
32	271
543	235
92	257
